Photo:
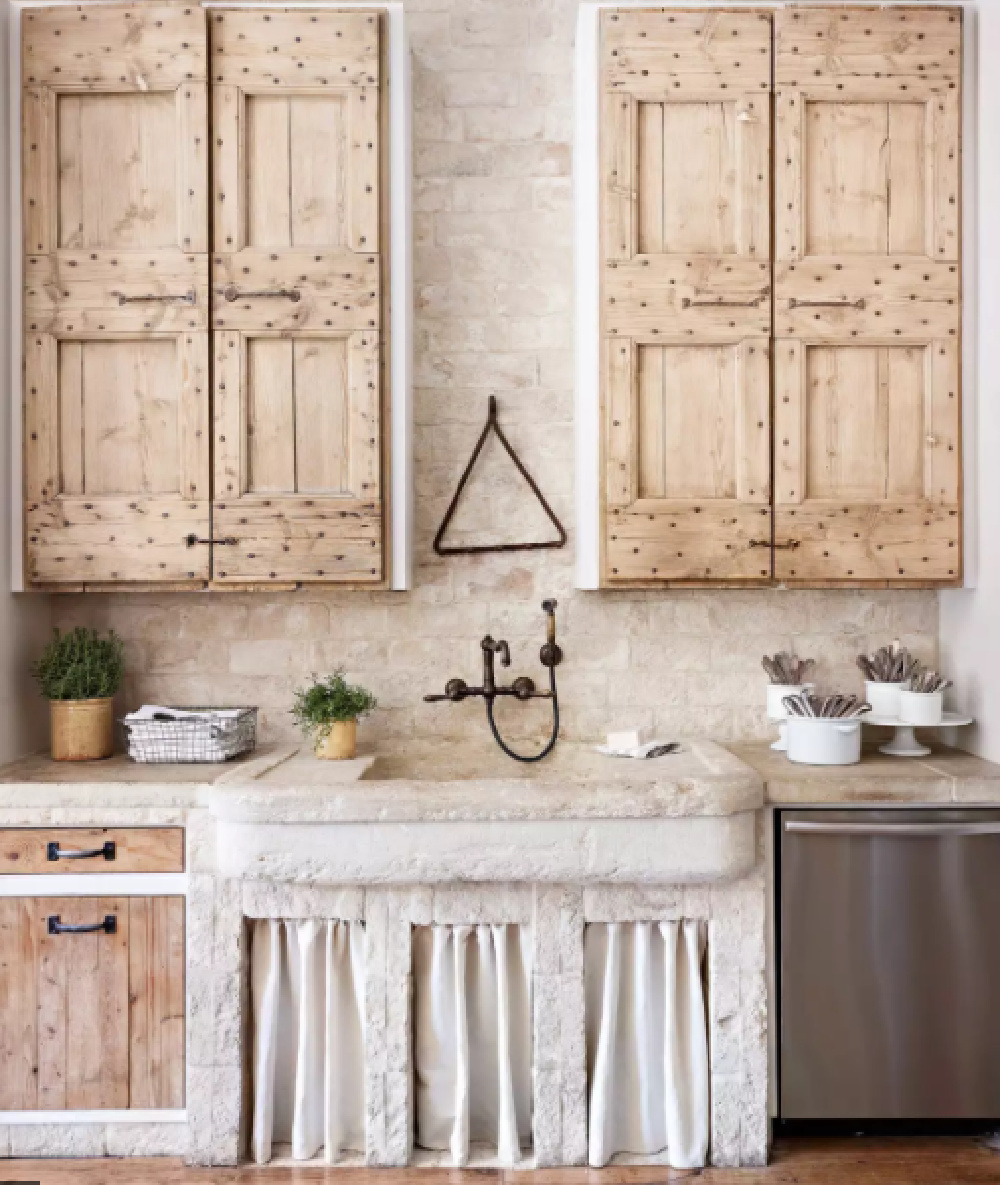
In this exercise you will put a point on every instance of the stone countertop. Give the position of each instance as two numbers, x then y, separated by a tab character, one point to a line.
944	776
422	781
37	781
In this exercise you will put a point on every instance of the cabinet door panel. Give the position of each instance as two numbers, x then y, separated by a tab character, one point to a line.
115	293
297	298
92	1021
685	302
867	295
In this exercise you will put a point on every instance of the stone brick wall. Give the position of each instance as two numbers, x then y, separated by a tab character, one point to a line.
492	123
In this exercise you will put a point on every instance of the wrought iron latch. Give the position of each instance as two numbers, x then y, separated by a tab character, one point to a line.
192	539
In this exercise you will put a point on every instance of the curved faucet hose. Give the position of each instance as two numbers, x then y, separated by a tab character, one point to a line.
552	739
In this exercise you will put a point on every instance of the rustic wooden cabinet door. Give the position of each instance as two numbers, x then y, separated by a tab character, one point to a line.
867	294
115	222
685	300
91	1020
296	295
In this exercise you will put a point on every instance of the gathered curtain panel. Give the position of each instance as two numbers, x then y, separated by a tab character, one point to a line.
308	992
647	1041
472	1039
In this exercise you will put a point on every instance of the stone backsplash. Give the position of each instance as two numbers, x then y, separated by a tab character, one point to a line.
493	266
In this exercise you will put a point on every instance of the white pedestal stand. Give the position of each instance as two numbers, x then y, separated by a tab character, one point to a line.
904	742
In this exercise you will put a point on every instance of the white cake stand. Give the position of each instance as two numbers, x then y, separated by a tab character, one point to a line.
904	742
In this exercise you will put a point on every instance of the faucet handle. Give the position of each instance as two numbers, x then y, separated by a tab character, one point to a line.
550	654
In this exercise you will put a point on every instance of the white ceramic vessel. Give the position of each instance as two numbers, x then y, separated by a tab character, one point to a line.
776	710
921	708
824	741
884	698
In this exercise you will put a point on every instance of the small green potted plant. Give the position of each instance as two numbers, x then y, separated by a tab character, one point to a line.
328	711
79	674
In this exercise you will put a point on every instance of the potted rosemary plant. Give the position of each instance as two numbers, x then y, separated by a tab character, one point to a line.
79	674
328	711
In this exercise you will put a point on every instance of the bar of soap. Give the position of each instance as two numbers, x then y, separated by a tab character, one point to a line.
625	739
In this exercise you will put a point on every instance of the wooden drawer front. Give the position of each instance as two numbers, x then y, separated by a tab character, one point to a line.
91	1020
129	850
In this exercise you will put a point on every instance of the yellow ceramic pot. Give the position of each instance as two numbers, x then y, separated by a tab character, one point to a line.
82	730
340	743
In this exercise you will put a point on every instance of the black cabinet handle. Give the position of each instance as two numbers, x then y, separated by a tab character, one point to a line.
55	853
109	926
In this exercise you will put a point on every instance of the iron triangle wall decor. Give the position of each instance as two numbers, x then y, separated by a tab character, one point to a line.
442	549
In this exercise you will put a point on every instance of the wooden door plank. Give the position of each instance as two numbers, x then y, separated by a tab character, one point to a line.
268	171
363	377
38	169
19	1015
156	1002
270	416
324	416
363	168
753	421
192	166
318	171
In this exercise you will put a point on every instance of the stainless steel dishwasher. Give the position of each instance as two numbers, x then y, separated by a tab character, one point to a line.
889	964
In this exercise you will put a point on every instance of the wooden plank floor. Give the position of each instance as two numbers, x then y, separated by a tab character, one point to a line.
850	1160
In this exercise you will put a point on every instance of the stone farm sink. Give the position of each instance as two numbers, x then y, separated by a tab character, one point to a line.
425	812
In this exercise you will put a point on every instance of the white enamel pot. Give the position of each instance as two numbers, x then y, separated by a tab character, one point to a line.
884	698
824	741
776	710
921	708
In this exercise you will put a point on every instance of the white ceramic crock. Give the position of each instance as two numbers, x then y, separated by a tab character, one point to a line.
819	741
776	710
921	708
884	698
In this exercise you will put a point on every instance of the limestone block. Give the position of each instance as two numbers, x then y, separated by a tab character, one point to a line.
726	1045
200	837
227	1110
376	1021
375	1116
398	947
398	1024
200	920
726	1114
547	1022
571	916
4	1140
573	1035
545	929
200	1012
227	1016
398	1148
146	1140
482	904
57	1140
574	1116
632	903
228	937
199	1113
547	1116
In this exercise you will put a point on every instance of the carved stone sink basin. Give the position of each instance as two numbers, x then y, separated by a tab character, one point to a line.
444	811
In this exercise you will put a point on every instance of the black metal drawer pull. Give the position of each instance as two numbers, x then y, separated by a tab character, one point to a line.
232	293
145	298
795	303
193	539
55	853
109	926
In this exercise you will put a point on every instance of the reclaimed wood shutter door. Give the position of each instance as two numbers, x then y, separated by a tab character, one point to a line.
92	1020
296	295
867	289
685	302
115	223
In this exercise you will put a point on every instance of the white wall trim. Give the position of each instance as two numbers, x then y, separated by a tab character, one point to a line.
93	885
400	478
95	1116
586	221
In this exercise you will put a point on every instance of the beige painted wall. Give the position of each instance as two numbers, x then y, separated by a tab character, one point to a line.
492	93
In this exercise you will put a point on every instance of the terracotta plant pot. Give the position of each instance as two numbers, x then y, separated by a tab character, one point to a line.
340	743
82	730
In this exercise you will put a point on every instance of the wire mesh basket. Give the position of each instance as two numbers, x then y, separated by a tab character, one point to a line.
213	735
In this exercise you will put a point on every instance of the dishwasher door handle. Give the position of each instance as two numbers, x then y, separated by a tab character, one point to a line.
973	828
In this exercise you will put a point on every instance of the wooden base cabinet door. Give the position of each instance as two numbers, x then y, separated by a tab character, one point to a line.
685	296
115	200
867	295
296	284
91	1003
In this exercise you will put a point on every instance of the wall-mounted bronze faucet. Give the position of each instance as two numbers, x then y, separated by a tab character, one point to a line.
523	688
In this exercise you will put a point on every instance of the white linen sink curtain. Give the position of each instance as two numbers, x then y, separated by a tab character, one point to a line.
647	1041
308	993
472	1039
